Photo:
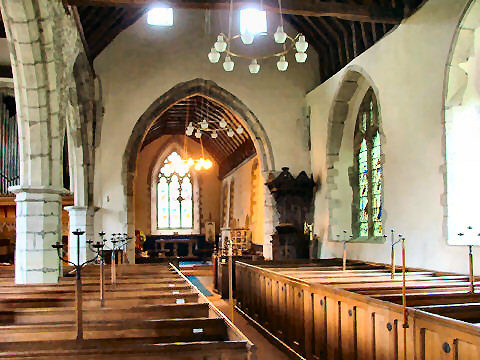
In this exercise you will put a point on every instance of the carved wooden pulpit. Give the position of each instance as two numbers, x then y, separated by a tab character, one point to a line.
294	200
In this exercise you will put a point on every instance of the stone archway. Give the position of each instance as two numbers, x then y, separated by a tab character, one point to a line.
211	90
353	87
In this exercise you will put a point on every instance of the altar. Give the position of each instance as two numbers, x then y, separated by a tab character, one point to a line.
191	246
161	251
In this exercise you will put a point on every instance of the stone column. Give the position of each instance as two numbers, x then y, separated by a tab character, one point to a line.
270	218
39	226
81	217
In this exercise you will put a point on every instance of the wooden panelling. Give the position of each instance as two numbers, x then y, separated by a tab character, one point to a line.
321	321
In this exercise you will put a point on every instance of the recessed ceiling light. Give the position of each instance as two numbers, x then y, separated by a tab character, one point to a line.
160	16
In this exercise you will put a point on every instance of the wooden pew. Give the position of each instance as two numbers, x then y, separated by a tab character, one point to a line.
325	313
153	315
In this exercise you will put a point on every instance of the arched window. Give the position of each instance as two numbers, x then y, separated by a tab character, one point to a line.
368	194
174	195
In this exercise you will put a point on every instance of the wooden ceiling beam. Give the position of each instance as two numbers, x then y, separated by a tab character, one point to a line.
347	11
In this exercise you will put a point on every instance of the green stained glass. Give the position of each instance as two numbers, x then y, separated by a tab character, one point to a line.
369	164
174	195
376	186
363	186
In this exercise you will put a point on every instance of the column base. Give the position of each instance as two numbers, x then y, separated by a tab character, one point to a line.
39	226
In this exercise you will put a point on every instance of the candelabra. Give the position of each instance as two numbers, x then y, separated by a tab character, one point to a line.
119	242
78	277
393	243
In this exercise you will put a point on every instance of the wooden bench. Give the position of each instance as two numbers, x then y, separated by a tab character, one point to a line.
153	311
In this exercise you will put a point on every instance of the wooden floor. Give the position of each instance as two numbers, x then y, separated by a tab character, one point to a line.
152	312
265	350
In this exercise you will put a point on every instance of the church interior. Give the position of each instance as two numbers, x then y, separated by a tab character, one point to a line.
241	180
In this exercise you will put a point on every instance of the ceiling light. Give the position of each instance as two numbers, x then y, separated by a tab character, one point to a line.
230	133
280	35
301	57
253	24
214	135
239	130
160	16
228	64
222	123
282	64
198	134
204	124
220	45
301	45
213	56
254	67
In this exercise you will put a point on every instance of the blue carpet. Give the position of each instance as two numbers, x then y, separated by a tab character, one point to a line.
194	280
193	263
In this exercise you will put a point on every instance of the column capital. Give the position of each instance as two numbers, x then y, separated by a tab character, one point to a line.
17	189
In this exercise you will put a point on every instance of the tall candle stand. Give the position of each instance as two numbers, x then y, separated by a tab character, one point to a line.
404	301
345	241
471	277
78	278
392	244
98	247
118	241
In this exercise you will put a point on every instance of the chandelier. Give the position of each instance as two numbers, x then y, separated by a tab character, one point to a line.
247	36
209	126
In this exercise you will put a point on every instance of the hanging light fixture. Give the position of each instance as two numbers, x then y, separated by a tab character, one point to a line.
247	35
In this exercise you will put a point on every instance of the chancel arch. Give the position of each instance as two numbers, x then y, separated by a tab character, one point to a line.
354	140
228	152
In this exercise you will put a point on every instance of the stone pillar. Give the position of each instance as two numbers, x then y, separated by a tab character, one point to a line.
270	218
39	226
81	217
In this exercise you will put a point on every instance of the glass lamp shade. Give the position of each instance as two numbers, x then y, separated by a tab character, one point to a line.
189	131
222	123
198	134
204	124
207	164
239	130
213	56
220	45
254	67
230	133
280	35
301	57
228	64
214	135
301	45
282	64
247	37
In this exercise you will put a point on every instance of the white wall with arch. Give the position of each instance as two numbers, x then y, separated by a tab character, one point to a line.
142	63
408	69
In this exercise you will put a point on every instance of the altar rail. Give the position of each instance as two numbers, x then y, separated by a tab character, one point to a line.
324	322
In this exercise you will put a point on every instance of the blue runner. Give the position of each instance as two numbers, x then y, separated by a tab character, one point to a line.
197	283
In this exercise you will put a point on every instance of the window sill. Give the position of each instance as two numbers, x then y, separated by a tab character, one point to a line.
364	240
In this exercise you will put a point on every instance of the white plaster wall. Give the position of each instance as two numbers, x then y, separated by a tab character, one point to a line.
143	62
242	178
408	69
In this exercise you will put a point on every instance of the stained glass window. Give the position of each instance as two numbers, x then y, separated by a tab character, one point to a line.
369	165
174	195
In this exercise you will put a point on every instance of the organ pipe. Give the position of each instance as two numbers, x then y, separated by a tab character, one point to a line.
9	157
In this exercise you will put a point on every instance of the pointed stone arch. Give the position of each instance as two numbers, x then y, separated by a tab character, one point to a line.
211	90
351	91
